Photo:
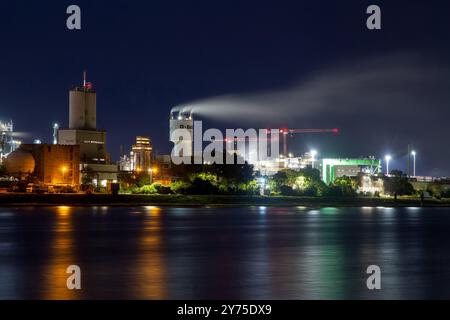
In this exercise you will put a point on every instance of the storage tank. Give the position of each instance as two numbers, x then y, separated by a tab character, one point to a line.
83	107
91	110
19	163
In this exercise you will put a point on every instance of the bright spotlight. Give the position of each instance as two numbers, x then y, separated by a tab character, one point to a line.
313	154
387	158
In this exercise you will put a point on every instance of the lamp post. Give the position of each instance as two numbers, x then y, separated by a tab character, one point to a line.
55	133
313	157
150	172
387	158
413	153
64	169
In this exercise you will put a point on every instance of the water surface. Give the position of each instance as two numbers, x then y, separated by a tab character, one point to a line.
224	253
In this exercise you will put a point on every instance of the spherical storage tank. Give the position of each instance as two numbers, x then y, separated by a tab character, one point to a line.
19	162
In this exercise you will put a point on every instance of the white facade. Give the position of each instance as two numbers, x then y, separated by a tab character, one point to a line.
82	109
185	122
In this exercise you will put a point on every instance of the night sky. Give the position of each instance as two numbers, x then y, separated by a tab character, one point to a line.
299	64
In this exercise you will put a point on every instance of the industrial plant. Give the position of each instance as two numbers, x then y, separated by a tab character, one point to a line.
7	142
77	159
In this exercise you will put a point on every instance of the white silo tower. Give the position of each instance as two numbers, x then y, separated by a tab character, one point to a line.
181	120
83	107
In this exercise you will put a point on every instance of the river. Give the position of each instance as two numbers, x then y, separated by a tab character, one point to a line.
224	252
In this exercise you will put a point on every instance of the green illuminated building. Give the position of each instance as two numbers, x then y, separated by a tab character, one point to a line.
334	168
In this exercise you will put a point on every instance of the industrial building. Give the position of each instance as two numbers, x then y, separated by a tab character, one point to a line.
334	168
83	132
45	165
183	121
125	163
55	164
92	144
141	155
82	129
102	174
7	142
271	167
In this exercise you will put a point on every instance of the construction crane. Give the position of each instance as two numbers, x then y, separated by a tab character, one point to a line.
285	132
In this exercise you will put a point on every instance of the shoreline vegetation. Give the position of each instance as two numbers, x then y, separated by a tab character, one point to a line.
25	199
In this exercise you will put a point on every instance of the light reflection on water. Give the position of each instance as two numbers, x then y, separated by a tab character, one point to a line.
60	255
230	253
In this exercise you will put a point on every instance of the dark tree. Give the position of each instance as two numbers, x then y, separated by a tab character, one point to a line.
397	183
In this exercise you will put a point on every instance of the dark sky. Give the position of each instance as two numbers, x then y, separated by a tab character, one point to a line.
298	64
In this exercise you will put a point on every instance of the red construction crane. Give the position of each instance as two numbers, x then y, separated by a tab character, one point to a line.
285	132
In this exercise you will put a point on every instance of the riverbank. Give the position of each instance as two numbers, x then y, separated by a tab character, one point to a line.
26	199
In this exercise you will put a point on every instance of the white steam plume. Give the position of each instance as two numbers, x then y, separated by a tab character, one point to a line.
401	84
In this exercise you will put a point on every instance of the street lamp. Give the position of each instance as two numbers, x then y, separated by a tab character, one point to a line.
262	185
413	153
151	172
313	157
64	169
387	158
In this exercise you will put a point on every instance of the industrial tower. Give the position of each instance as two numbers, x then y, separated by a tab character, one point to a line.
83	125
182	120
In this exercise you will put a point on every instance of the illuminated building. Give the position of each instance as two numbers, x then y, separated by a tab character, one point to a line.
162	170
334	168
182	121
7	142
92	144
55	164
141	155
125	163
271	167
82	131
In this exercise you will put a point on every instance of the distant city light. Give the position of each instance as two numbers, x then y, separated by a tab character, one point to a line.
55	133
